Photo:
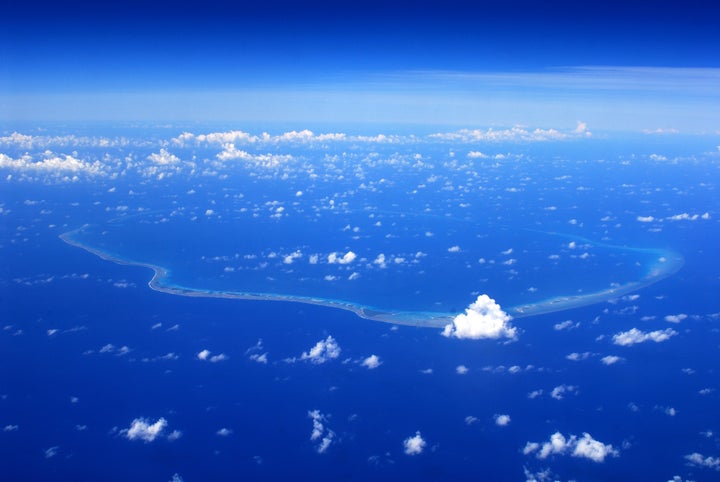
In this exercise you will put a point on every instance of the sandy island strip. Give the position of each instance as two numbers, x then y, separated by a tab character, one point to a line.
668	264
424	319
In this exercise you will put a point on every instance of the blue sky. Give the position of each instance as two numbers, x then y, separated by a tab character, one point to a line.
630	65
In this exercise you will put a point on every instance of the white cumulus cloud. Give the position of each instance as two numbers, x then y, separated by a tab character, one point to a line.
347	258
702	461
414	445
323	351
482	319
371	362
502	420
320	433
676	318
142	429
583	447
633	336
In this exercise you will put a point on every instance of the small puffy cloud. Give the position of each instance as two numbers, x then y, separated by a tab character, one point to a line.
268	161
583	447
461	369
372	362
688	217
51	452
502	420
482	319
290	258
380	261
611	359
676	318
566	325
320	433
142	429
163	158
259	358
414	445
469	420
323	351
347	258
203	355
702	461
645	219
633	336
224	432
578	356
559	392
454	249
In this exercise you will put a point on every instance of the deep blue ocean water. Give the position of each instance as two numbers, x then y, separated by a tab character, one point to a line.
88	347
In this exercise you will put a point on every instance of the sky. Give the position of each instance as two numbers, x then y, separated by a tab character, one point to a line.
616	65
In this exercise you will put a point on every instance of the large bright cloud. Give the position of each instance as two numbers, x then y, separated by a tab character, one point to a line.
482	319
323	351
633	336
583	447
51	163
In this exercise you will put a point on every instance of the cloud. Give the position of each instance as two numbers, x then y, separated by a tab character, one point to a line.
259	358
583	447
566	325
633	336
205	356
482	319
52	164
702	461
163	158
517	133
347	258
414	445
579	356
461	369
224	432
688	217
320	434
142	429
502	420
611	359
323	351
676	318
231	153
645	219
559	392
372	362
51	452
